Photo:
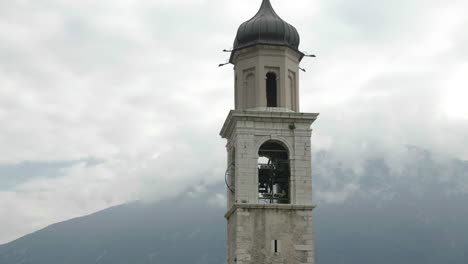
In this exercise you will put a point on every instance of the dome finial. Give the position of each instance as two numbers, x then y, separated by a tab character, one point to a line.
266	2
266	5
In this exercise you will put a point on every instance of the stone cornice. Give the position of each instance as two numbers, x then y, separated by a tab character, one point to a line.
270	116
257	50
268	206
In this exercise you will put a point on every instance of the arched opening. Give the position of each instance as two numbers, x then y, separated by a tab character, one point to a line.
249	92
273	174
236	92
271	91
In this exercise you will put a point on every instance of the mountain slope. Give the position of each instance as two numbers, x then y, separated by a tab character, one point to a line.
173	231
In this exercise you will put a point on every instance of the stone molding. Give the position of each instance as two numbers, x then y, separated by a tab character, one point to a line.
268	206
269	116
266	50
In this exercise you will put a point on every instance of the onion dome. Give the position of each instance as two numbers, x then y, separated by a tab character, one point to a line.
266	28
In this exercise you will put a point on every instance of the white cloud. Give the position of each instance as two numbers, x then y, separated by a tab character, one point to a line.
218	200
337	196
454	98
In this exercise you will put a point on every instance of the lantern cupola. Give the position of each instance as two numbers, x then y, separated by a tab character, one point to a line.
266	63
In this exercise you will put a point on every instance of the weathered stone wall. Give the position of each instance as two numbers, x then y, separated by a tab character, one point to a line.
232	238
255	227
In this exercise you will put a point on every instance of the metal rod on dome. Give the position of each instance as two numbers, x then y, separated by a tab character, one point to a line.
309	55
223	64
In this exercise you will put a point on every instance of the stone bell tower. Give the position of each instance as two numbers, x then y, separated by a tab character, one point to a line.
269	205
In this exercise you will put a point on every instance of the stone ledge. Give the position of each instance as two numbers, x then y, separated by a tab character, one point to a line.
268	206
264	116
304	247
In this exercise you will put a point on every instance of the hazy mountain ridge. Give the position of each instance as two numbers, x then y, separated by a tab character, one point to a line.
132	233
415	214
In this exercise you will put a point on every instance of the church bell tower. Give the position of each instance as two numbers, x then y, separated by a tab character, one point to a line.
269	196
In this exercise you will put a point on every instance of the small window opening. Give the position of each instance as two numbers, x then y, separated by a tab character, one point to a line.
271	91
276	246
273	174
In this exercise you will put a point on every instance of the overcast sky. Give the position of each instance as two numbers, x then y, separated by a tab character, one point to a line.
108	101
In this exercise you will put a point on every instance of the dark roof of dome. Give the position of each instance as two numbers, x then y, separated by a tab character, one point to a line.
266	27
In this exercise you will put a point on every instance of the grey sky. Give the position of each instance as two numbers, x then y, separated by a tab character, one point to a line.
135	85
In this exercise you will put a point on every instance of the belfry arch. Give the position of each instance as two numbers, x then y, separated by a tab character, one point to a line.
273	173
